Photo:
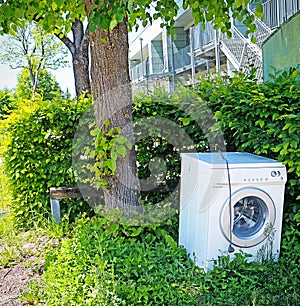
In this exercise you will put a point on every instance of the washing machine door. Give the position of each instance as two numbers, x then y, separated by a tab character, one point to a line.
248	217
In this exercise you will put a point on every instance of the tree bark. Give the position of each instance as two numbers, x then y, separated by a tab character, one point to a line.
112	95
79	49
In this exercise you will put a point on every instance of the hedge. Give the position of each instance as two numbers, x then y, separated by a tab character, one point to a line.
38	154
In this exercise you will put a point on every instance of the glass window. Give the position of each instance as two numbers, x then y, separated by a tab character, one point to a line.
249	217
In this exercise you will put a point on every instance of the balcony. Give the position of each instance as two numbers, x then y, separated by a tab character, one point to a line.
279	11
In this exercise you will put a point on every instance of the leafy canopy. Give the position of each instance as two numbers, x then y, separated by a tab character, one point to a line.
58	15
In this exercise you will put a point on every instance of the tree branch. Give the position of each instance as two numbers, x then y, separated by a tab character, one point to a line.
67	42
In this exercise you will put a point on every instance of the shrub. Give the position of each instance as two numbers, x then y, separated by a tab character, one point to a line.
38	153
7	103
105	263
165	126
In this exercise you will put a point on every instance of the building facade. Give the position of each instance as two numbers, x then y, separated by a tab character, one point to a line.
157	59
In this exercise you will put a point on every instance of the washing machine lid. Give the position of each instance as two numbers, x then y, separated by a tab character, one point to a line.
235	160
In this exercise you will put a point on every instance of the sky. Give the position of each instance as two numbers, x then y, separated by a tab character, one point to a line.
64	76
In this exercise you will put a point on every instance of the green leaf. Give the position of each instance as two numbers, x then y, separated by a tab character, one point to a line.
113	24
171	242
112	165
185	121
95	132
295	74
121	150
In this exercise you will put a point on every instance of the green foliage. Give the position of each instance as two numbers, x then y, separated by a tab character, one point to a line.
11	242
57	16
109	146
263	119
105	263
268	284
38	154
165	126
7	103
32	295
47	87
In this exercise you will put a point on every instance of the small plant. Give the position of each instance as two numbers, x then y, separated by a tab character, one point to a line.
33	295
109	146
10	242
265	254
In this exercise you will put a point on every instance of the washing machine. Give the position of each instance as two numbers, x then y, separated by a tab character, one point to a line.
230	202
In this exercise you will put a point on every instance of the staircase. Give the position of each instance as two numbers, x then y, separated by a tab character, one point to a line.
245	55
241	52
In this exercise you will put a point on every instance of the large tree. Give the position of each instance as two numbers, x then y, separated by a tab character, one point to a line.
109	21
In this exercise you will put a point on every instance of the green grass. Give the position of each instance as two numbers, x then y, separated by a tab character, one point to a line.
10	242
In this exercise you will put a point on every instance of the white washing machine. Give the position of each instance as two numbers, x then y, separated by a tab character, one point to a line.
230	202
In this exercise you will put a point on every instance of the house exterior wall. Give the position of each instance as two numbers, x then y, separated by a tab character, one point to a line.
282	49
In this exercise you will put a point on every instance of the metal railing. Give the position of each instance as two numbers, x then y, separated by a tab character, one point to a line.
242	53
182	58
278	11
157	65
262	32
139	72
203	37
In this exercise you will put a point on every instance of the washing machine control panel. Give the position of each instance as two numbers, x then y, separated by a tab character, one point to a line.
263	175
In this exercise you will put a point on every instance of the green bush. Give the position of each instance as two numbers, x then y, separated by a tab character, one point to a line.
7	103
169	125
263	119
38	153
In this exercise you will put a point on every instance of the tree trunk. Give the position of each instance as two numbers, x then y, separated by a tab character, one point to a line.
111	90
79	49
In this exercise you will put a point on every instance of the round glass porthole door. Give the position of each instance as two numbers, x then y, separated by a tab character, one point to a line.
252	211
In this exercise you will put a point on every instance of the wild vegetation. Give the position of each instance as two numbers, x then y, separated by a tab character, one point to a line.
100	262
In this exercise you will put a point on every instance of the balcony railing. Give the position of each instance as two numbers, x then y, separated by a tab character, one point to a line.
139	72
278	11
157	65
182	58
240	51
202	37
